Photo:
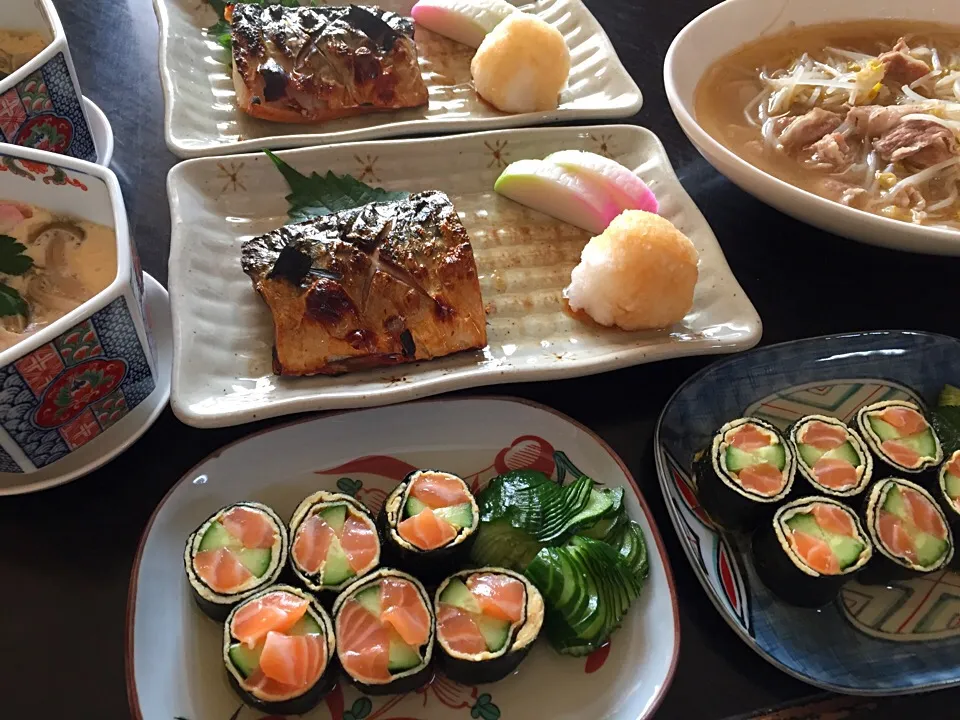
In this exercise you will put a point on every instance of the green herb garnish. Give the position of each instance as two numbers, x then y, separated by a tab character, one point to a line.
220	30
13	261
317	195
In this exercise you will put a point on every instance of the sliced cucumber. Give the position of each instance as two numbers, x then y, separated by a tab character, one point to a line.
414	506
773	454
335	516
845	452
929	548
499	543
245	659
495	632
216	537
809	454
846	549
885	431
737	459
459	595
402	656
337	568
923	443
306	626
894	503
459	516
953	486
370	600
598	505
256	560
806	523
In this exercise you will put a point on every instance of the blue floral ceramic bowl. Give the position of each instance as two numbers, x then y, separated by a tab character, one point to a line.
41	105
81	375
879	640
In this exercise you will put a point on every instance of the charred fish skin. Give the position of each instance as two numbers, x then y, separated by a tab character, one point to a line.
382	284
309	64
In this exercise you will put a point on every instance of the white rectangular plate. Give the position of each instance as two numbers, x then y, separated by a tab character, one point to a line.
201	116
223	332
174	665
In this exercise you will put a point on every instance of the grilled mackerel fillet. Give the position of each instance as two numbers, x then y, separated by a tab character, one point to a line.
385	283
309	64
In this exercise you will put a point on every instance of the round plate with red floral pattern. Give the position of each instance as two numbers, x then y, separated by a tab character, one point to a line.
174	666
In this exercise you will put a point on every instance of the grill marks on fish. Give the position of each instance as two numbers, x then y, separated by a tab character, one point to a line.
388	282
309	64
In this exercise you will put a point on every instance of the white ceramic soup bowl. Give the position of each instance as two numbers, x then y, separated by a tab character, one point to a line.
41	105
733	23
80	376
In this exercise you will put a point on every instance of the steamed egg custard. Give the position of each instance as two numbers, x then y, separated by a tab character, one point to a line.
17	48
61	262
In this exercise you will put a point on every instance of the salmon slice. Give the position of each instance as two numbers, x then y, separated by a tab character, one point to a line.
459	630
815	553
954	467
250	527
437	491
925	516
750	437
295	660
895	536
500	596
823	436
402	607
426	530
268	687
907	420
221	570
359	542
835	473
834	520
900	453
364	643
312	542
761	478
277	611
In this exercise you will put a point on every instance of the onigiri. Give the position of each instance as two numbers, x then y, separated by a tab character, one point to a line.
638	274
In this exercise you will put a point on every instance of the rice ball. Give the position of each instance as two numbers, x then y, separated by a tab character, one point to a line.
521	65
638	274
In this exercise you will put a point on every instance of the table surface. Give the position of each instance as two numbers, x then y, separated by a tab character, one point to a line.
70	549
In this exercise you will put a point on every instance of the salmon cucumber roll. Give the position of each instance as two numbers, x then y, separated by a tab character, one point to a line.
487	621
385	628
744	473
809	548
333	541
950	488
900	437
830	456
909	530
279	648
235	552
428	523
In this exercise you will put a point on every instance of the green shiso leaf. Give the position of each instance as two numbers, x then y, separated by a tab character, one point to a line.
317	195
587	590
10	302
13	257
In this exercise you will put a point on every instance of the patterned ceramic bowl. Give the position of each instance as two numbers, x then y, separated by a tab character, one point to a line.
81	375
41	104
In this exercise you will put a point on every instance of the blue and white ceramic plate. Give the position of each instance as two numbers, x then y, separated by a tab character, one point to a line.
879	640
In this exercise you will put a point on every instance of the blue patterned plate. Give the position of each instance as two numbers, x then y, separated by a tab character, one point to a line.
903	638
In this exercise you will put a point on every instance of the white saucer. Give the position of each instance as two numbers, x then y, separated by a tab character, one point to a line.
100	130
107	446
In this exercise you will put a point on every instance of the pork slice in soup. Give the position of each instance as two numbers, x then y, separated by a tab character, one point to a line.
58	264
863	113
17	48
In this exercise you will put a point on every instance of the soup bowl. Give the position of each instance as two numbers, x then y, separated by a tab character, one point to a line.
81	375
731	24
41	105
